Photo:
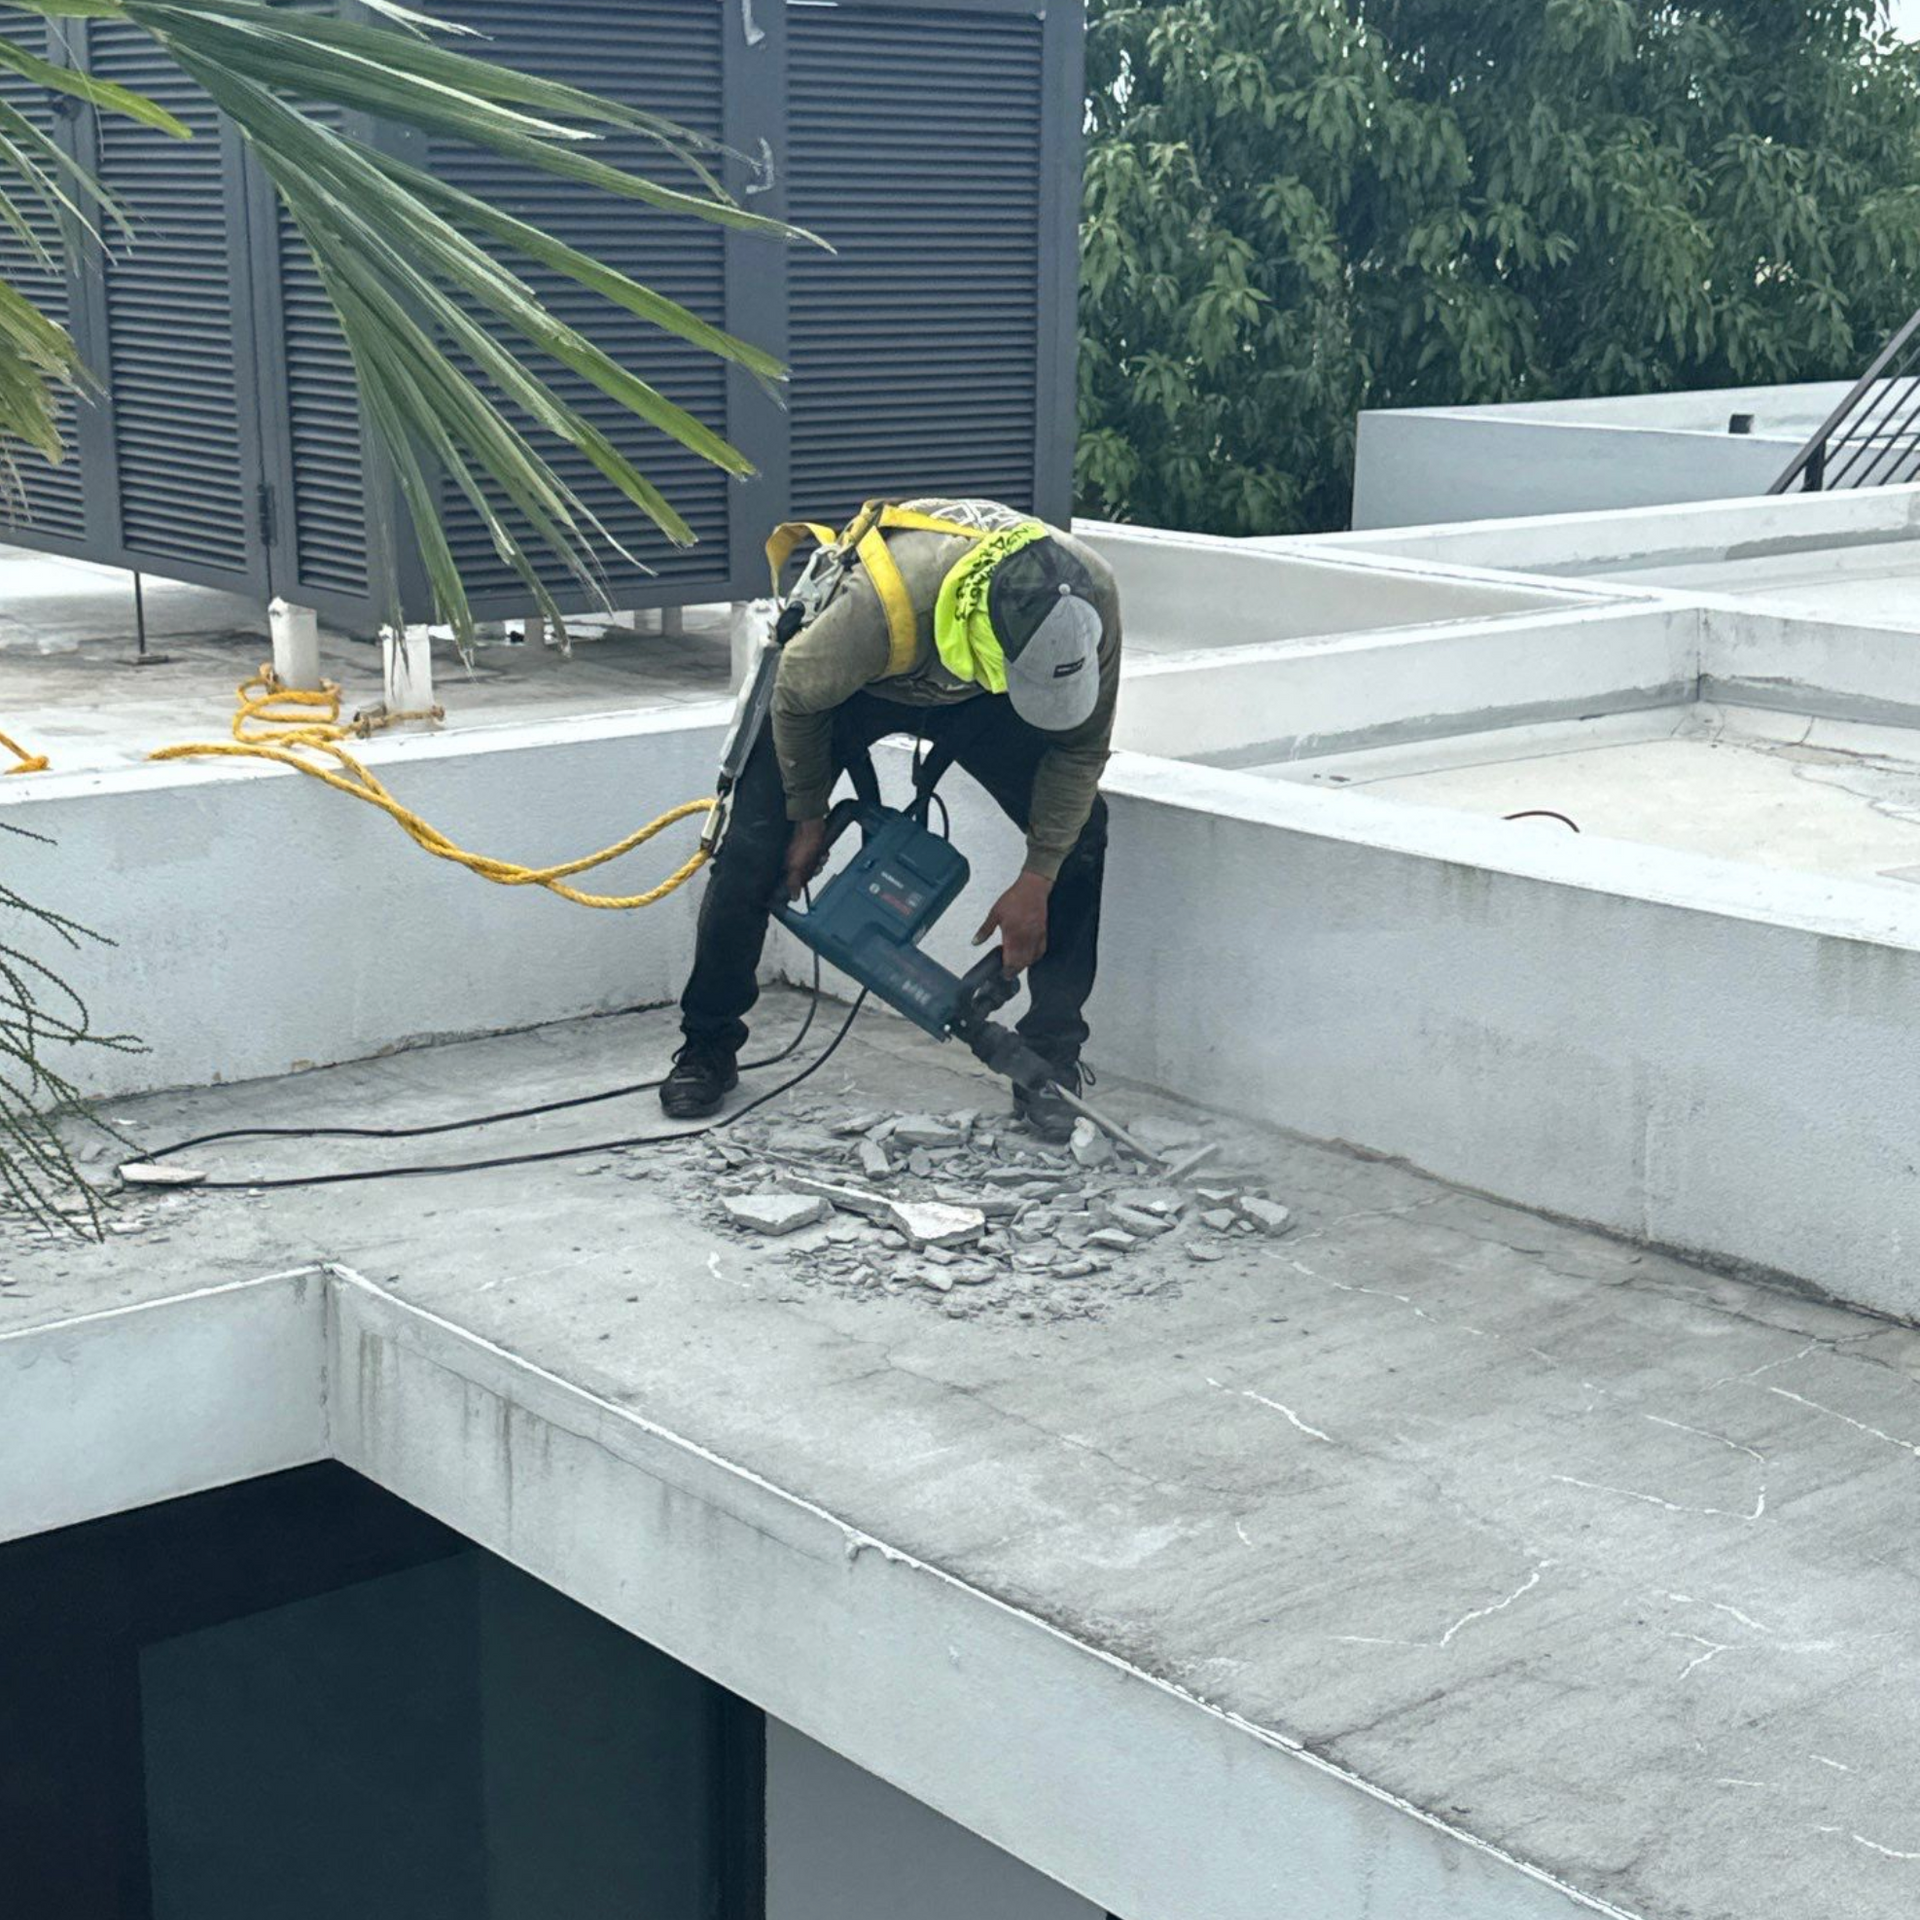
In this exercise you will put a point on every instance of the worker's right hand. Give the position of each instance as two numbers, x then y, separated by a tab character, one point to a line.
806	855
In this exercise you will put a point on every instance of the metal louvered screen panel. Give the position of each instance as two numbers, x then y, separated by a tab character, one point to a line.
171	298
664	55
329	528
915	149
49	504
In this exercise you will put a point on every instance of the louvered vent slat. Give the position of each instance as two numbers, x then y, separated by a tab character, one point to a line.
323	423
915	149
170	297
48	504
664	55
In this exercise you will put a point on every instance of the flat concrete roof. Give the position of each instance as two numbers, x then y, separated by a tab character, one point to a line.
1785	791
1864	586
1434	1559
67	648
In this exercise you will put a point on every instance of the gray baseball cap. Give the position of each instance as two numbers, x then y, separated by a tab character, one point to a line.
1040	602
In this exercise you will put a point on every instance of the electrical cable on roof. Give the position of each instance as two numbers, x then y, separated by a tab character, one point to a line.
786	1052
484	1119
364	1174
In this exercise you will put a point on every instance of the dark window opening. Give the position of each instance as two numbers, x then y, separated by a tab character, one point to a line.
300	1697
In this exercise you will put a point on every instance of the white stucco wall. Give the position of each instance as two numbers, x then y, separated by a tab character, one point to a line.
1415	467
842	1845
264	922
1625	546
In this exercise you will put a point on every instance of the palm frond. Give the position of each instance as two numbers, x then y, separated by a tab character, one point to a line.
41	1016
444	335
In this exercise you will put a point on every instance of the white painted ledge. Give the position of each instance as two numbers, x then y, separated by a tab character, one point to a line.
991	1716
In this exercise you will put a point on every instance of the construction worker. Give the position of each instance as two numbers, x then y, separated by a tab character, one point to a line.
1015	666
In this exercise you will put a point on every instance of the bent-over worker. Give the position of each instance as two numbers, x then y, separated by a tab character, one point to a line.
1015	668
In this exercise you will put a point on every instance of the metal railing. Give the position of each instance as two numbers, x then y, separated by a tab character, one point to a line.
1872	438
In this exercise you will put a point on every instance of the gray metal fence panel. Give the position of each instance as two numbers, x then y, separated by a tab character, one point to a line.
50	505
667	56
935	146
177	329
916	135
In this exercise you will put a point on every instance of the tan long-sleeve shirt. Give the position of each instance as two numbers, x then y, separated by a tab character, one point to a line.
845	651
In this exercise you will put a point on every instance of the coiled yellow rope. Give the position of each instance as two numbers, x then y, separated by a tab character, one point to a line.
283	724
29	762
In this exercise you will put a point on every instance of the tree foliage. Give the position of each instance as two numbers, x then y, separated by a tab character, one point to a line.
1299	208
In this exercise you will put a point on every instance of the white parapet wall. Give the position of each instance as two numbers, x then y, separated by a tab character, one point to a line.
1418	466
1626	545
1206	592
262	922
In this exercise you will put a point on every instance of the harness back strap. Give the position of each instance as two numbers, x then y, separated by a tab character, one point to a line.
865	538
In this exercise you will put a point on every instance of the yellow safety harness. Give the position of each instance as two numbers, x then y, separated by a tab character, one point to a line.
284	724
864	538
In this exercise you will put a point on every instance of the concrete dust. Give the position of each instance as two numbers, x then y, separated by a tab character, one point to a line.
967	1209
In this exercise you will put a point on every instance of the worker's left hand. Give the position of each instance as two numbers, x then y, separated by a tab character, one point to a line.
1019	916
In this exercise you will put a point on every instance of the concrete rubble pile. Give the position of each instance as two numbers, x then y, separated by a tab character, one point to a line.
962	1200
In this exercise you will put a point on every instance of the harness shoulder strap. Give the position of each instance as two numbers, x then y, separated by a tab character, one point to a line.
865	537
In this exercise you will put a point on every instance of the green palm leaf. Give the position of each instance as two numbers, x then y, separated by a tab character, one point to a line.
446	339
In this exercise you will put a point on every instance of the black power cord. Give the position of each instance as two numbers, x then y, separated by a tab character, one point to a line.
480	1119
362	1174
475	1121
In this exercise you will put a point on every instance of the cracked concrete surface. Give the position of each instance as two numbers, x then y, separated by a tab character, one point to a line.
1603	1559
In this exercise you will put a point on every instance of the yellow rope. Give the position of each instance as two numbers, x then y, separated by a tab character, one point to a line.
29	762
282	724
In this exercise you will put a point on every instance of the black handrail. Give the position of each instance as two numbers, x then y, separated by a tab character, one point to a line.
1878	422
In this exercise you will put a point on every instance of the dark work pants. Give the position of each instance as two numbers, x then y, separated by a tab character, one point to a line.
1002	753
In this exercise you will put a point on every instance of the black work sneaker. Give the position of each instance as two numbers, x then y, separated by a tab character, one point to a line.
704	1073
1044	1112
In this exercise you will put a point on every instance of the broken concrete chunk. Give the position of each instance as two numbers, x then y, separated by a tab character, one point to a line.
859	1123
1114	1239
1268	1216
799	1140
963	1121
932	1223
873	1160
923	1130
919	1163
1141	1224
1205	1253
1220	1219
1167	1202
775	1213
1089	1146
